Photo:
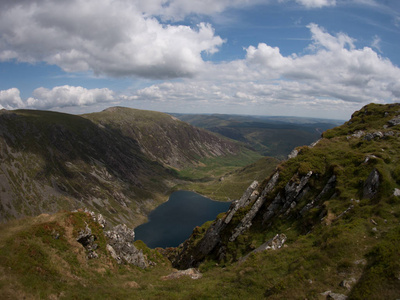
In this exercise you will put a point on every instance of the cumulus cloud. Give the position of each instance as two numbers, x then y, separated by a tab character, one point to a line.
332	75
112	37
10	99
65	96
57	97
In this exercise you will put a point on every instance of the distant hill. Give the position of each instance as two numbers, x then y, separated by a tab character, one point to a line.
121	162
269	136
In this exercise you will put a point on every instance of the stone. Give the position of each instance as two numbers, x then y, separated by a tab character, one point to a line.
395	121
371	185
293	154
273	244
372	135
396	192
348	283
334	296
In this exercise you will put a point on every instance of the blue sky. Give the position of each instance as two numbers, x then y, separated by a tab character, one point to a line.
315	58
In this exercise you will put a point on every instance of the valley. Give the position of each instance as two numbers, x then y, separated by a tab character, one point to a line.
323	224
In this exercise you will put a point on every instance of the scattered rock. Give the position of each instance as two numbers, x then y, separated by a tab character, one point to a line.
395	121
335	296
372	135
396	192
192	273
348	283
273	244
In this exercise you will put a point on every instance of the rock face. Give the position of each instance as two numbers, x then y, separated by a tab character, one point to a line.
120	245
212	237
264	205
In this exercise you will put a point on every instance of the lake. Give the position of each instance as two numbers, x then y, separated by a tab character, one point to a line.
172	222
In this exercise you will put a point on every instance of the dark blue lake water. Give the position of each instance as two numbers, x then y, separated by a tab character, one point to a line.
172	222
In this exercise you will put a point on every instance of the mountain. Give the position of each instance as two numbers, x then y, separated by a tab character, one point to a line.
120	162
323	225
336	208
163	138
269	136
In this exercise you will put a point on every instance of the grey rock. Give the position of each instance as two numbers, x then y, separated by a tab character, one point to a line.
245	223
86	238
328	187
396	192
285	200
334	296
293	154
395	121
242	202
120	245
371	185
348	283
372	135
273	244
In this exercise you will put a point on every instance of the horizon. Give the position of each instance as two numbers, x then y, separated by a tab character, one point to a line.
289	58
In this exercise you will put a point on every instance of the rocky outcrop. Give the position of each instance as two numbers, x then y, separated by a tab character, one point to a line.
288	198
189	258
245	223
121	248
87	240
330	185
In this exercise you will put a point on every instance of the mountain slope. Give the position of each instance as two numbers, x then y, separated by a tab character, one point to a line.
119	164
164	138
337	207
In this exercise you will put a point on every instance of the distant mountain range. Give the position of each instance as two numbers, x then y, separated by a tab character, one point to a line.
269	136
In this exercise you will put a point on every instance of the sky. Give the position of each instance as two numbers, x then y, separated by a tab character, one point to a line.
309	58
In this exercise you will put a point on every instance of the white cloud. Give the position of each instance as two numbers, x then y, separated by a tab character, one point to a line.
66	96
104	36
334	73
10	99
57	97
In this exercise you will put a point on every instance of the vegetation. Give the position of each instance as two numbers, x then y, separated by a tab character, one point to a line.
346	243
